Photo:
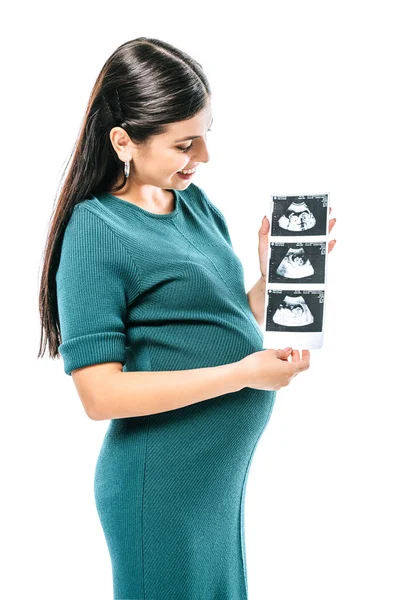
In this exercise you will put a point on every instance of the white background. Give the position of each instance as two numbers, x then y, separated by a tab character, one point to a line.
305	100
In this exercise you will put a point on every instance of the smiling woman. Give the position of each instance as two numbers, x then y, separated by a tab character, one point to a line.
159	165
143	297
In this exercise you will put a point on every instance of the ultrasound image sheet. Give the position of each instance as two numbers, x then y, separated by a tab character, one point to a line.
295	297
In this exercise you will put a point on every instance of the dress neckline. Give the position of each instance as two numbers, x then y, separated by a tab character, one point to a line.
119	201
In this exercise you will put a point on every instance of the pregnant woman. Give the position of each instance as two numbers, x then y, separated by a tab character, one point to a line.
143	297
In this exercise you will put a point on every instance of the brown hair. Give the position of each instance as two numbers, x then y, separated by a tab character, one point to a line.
144	85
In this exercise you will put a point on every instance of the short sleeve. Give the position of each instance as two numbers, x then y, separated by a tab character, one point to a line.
221	221
96	279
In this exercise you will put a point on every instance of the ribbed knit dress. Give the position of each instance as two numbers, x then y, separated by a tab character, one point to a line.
165	292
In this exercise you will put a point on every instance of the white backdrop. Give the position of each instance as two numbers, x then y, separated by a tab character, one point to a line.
305	100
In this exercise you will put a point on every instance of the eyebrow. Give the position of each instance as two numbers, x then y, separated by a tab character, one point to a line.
193	137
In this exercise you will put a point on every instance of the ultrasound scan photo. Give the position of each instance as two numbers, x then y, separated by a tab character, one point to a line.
295	310
296	271
295	265
299	215
297	262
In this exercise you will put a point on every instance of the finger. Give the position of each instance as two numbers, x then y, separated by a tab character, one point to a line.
295	355
304	362
284	351
283	354
331	245
332	223
263	242
264	229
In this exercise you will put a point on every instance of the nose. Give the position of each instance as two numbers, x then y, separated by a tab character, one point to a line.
203	154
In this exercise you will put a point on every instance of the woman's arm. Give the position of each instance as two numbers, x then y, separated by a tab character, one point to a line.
107	392
256	298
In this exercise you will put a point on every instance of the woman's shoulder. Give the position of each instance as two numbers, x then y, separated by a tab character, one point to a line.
90	228
203	201
91	205
89	214
90	244
210	210
85	219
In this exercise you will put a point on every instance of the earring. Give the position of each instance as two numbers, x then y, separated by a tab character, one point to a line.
127	168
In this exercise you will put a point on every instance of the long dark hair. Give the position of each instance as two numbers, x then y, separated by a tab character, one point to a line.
144	85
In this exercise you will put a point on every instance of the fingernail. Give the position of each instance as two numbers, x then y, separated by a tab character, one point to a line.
289	348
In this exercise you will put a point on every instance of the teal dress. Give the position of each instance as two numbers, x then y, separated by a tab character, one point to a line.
165	292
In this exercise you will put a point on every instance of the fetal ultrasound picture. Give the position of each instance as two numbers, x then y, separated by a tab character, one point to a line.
297	261
295	310
299	215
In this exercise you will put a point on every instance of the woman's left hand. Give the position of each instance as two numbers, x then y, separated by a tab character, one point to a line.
263	242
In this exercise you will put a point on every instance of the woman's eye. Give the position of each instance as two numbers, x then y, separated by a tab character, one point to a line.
185	149
188	147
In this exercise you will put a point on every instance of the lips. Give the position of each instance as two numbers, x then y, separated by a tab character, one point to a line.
183	176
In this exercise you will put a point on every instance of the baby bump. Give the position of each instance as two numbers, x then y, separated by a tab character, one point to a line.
207	441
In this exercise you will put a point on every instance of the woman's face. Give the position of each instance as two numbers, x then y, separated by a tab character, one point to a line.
158	162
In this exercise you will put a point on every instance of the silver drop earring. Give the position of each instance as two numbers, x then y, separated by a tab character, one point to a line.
127	168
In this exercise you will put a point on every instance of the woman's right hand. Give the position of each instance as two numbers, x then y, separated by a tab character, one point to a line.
271	370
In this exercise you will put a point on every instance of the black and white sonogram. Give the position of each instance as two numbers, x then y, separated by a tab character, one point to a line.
302	262
294	310
299	215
